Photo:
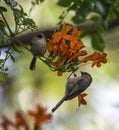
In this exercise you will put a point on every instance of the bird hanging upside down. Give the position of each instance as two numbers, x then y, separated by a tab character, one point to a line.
74	87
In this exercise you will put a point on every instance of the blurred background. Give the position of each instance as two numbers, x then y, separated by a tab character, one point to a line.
24	88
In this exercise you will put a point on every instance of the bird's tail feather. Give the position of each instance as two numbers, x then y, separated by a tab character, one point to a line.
58	104
33	63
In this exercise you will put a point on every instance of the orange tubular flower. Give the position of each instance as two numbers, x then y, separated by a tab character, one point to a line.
40	115
81	99
77	54
59	73
63	34
65	47
20	121
6	123
74	43
54	44
101	58
97	59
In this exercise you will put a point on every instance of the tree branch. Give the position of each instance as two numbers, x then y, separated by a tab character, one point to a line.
26	38
113	23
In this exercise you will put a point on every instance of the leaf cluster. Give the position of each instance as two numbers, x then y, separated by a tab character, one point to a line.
97	11
7	34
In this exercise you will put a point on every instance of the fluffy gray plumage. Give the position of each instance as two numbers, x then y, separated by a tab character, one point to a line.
38	48
74	87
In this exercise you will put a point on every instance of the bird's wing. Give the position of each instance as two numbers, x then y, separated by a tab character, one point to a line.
77	88
70	84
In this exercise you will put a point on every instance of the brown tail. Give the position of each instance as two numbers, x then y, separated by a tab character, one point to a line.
33	63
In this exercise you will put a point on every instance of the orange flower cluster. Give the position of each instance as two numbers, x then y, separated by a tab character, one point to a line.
97	59
6	123
19	122
40	117
65	47
66	52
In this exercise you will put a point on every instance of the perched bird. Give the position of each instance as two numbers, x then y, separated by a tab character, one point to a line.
38	48
74	87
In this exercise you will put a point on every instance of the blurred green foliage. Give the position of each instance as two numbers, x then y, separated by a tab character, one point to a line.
103	11
98	11
22	24
45	83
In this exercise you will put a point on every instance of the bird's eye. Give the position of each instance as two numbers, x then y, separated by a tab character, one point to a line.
39	35
85	73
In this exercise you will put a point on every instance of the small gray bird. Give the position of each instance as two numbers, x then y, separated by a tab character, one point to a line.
38	48
74	87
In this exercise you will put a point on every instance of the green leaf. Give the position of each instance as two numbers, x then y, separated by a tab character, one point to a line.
36	2
28	21
6	69
3	76
42	1
76	19
2	23
33	3
12	58
97	42
85	32
16	48
99	7
2	9
96	19
2	28
1	60
21	10
99	28
64	3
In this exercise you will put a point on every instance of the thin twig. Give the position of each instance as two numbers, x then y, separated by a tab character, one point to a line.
6	24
